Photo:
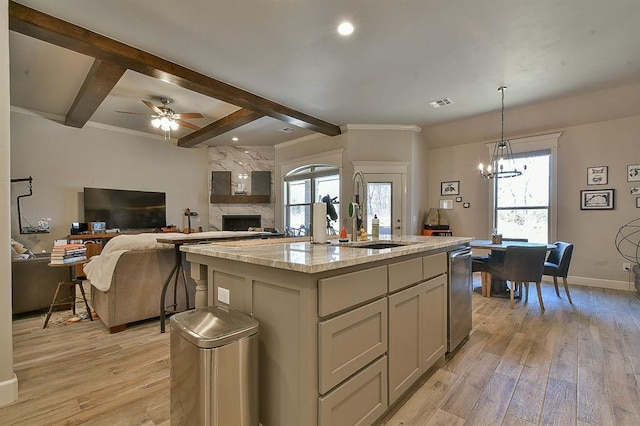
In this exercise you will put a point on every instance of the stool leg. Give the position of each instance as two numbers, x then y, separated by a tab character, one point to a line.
84	297
55	297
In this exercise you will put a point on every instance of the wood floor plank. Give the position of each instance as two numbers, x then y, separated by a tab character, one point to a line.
593	403
426	401
442	418
559	403
511	420
493	402
514	356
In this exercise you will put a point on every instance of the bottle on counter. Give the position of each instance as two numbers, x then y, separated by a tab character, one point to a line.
375	227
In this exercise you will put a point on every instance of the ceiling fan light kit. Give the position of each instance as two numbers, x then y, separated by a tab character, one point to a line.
166	119
501	164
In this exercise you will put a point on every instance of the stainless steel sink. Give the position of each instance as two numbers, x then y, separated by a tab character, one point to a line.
377	245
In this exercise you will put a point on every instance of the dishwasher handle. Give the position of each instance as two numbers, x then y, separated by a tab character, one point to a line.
465	252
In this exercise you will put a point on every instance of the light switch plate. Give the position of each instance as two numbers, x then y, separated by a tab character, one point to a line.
223	295
446	204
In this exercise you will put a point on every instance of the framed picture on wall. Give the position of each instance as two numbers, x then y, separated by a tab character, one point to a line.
598	175
597	199
635	190
638	202
633	173
450	188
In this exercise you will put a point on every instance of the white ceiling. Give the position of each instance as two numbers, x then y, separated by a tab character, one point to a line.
403	54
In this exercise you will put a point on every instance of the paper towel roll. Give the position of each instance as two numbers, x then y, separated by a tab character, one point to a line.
319	223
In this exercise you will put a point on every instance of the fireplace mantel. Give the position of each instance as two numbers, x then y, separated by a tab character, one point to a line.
240	199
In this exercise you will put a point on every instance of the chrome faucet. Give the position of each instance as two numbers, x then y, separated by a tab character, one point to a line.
359	218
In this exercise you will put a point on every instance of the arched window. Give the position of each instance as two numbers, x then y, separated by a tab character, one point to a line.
303	187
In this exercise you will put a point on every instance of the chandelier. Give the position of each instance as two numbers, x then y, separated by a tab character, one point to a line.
501	164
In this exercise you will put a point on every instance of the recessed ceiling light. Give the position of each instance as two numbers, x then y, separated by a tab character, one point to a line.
235	139
345	28
441	102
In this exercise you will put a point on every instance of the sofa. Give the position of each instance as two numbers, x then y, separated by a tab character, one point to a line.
34	282
137	269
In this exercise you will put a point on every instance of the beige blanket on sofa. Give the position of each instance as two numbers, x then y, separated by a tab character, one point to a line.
99	269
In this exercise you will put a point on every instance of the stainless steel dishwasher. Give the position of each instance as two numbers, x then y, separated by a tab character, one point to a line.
459	297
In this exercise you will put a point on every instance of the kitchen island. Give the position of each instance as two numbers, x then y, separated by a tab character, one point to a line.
345	330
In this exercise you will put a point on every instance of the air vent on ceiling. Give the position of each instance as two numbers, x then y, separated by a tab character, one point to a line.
287	130
441	102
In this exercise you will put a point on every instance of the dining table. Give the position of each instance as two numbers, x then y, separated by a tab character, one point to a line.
499	288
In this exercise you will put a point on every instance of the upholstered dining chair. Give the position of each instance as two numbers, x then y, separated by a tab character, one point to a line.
521	265
557	265
480	263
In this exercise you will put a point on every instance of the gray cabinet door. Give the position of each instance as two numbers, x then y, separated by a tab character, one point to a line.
434	320
417	333
405	361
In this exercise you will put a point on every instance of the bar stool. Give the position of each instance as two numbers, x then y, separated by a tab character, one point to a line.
68	299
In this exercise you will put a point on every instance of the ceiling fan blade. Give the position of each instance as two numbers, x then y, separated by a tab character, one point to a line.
188	115
152	106
137	113
188	125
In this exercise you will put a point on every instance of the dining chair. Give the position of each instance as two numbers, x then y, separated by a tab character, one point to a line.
557	265
479	263
521	265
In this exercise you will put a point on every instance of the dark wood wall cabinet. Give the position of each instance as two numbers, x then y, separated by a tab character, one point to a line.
221	188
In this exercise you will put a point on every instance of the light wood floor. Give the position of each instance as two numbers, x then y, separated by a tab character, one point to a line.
572	365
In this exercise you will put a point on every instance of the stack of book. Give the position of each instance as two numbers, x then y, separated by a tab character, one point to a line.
68	253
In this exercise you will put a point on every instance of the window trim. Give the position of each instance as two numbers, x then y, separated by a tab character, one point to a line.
531	144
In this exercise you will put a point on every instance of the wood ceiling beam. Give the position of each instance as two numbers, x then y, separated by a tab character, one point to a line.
47	28
226	124
101	79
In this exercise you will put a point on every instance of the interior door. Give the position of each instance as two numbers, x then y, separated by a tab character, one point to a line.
384	199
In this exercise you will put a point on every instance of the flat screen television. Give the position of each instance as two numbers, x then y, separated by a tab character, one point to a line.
125	209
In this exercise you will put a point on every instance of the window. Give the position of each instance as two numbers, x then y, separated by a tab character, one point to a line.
303	187
523	207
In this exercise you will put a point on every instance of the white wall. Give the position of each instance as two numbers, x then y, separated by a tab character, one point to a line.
64	160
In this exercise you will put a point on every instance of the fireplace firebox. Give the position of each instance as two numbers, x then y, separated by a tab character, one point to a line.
240	222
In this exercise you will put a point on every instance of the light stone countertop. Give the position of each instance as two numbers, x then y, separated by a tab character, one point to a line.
302	256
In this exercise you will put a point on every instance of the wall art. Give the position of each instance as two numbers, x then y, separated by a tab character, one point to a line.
597	199
597	175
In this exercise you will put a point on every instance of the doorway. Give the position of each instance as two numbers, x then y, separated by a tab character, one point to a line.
384	199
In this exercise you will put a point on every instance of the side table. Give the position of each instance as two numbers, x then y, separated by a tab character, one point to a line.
73	281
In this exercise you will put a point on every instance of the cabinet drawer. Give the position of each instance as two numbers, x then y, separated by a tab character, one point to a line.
361	400
350	341
434	265
343	291
403	274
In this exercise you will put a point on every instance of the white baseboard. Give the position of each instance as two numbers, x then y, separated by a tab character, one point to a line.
594	282
9	391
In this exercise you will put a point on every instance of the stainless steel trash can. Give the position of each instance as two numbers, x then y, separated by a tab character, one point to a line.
214	365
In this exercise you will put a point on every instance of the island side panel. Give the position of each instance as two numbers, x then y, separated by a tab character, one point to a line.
285	304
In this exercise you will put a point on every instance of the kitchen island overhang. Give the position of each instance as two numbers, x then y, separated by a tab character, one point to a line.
331	320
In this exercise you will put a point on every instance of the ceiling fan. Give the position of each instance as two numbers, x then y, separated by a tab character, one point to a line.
165	118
